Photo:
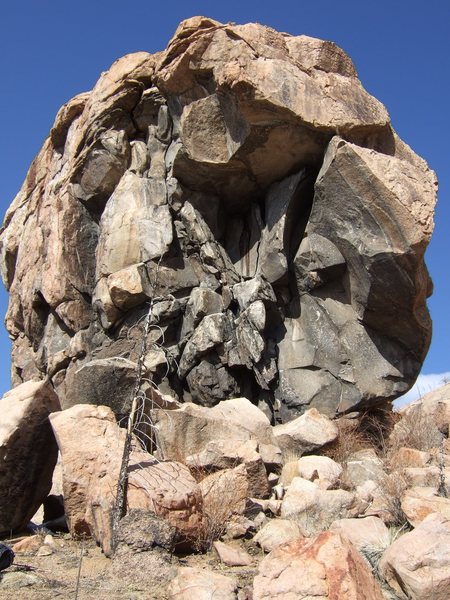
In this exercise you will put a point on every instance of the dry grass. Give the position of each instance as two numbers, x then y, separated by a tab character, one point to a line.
225	493
392	487
290	467
415	429
385	432
351	439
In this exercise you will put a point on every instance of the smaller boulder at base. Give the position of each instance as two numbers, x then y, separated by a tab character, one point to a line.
91	445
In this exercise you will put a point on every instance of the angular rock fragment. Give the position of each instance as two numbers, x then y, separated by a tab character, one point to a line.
224	454
364	465
309	432
232	556
417	564
28	452
277	532
369	535
194	583
189	430
136	226
142	531
419	502
324	471
103	381
315	509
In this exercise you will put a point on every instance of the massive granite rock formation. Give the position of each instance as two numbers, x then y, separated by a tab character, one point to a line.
245	183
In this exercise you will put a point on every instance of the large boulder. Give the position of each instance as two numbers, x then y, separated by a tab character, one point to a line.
324	567
28	452
244	182
218	437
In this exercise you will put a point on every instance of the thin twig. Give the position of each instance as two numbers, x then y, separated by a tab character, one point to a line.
80	562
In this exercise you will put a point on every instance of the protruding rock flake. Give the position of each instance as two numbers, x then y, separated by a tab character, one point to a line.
245	183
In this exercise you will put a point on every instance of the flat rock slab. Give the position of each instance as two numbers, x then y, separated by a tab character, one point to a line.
232	556
202	584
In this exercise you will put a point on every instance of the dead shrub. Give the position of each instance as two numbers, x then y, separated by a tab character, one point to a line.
351	438
377	426
224	496
415	429
392	486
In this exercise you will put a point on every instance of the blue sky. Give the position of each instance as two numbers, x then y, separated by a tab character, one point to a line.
51	50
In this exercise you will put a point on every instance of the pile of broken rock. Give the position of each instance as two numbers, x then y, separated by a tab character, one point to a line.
226	473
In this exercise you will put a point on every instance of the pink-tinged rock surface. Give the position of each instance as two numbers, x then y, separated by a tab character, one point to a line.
417	564
419	502
193	583
276	532
232	556
326	567
91	446
28	452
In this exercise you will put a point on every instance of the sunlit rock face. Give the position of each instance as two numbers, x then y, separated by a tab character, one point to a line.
245	183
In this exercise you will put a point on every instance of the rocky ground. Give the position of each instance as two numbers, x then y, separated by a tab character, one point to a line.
67	565
361	514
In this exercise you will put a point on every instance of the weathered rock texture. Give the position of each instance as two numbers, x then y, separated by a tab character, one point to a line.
91	446
28	452
245	181
324	567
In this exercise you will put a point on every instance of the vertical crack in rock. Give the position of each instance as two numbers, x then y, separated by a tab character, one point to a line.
286	219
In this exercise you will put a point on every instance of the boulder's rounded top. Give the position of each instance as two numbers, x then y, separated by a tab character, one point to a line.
193	24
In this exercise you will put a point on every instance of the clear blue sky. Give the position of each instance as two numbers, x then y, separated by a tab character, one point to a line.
51	50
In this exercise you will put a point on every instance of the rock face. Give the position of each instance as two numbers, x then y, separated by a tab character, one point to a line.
28	452
245	182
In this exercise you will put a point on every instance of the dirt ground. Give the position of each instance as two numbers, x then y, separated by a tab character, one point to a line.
129	575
